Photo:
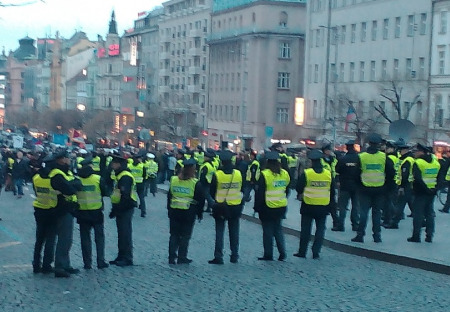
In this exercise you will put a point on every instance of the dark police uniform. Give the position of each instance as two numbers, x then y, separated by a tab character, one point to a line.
184	204
271	204
226	188
45	216
123	200
317	186
349	180
90	214
139	173
206	174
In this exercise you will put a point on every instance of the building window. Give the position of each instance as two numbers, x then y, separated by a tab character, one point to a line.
352	72
443	22
385	28
374	30
398	21
333	72
384	69
110	68
341	72
442	62
285	50
282	115
315	112
318	37
353	34
411	26
283	80
361	71
316	73
343	33
334	35
372	71
309	73
421	67
408	68
395	72
423	24
363	31
283	19
253	17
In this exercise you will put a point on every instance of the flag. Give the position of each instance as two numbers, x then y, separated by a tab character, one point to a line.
351	115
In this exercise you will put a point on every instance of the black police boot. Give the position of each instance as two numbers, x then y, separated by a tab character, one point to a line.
413	239
216	261
358	239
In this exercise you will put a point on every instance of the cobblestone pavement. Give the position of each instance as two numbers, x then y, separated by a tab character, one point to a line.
337	282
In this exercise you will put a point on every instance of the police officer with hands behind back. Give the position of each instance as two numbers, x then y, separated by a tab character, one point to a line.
317	186
63	181
185	201
271	204
123	200
90	213
226	189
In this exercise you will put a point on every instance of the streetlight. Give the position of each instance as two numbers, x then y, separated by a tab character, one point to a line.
81	107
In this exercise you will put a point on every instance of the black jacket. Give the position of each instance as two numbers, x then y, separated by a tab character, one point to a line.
404	170
67	188
349	171
21	169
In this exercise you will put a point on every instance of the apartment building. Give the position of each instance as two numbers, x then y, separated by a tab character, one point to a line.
439	110
257	60
183	66
356	50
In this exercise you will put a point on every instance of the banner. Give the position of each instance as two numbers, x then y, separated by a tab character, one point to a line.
133	53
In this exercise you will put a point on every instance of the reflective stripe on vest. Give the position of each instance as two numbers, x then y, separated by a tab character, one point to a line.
210	171
330	167
410	175
429	171
115	196
249	171
447	176
90	197
373	169
137	171
46	196
317	190
96	163
68	177
182	193
234	196
180	163
276	185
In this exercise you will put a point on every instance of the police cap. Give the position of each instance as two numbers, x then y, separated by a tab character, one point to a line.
374	138
226	155
117	157
61	154
424	148
272	155
350	142
210	154
189	162
315	154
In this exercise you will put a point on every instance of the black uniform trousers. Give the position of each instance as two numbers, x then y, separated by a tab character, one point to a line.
423	209
391	199
125	235
180	234
343	200
45	237
140	189
273	229
368	201
305	233
233	231
65	239
402	200
86	242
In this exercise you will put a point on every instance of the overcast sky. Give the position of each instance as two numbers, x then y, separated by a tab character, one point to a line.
66	16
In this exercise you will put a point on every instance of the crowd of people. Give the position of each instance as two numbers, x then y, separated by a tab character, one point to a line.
72	184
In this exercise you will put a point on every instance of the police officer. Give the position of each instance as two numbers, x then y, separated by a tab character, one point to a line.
96	163
184	204
444	180
226	188
206	173
404	181
44	214
271	204
123	200
180	157
425	171
90	213
349	181
329	162
139	173
317	186
376	169
252	176
391	185
63	181
152	171
199	155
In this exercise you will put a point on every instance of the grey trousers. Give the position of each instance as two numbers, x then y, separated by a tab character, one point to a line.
233	231
86	242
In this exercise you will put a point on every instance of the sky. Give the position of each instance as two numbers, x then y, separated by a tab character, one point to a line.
41	18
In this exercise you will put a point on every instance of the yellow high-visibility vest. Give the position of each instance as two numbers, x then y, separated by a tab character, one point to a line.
249	172
228	190
90	197
276	185
373	169
429	171
318	187
69	177
137	171
115	196
46	196
210	171
410	175
182	193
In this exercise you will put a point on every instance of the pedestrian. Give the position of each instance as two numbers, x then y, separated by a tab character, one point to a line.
349	181
376	168
139	173
315	187
171	163
271	204
152	172
90	214
45	217
425	171
20	172
184	203
226	189
123	200
63	181
206	173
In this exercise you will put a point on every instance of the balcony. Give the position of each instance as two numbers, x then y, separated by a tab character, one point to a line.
164	72
195	70
194	88
195	51
164	89
195	33
164	56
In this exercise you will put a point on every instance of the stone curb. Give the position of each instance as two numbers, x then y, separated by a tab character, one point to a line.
363	252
